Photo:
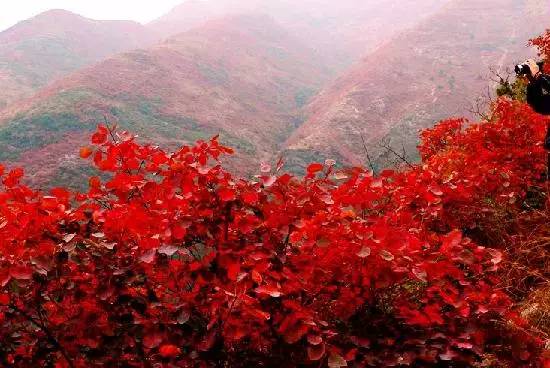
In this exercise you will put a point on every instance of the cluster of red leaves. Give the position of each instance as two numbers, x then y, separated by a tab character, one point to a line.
486	168
543	44
174	262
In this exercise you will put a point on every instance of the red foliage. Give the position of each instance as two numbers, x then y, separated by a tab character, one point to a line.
173	260
489	167
543	44
85	152
169	351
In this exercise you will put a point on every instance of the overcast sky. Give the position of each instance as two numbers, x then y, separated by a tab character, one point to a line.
13	11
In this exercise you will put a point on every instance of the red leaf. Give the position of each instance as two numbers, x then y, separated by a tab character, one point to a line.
233	270
85	152
13	177
226	195
169	351
100	136
152	340
260	314
21	272
250	198
316	352
433	313
256	276
314	339
364	252
269	290
314	168
94	182
179	232
4	277
294	333
436	190
268	181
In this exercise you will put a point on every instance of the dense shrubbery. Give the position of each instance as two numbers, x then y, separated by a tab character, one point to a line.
543	44
174	262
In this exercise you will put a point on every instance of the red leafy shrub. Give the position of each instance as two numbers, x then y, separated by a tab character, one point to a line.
543	44
174	262
486	170
495	190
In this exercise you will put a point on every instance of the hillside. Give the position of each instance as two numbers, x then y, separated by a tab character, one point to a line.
243	77
433	71
56	43
340	32
170	257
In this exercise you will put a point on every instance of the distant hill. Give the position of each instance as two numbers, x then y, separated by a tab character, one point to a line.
339	31
433	71
243	77
261	77
55	43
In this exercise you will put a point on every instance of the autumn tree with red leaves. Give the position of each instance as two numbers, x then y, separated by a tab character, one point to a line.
174	262
543	44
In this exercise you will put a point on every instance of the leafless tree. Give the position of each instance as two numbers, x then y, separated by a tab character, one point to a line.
370	161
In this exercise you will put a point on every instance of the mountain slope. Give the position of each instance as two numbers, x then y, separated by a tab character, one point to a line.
56	43
431	72
243	76
340	32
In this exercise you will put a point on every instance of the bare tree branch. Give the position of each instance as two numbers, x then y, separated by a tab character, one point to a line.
370	162
401	156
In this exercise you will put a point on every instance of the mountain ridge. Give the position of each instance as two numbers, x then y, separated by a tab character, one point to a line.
56	43
243	76
400	88
340	33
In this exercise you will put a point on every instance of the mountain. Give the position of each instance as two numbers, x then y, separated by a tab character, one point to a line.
190	14
339	31
431	72
243	77
55	43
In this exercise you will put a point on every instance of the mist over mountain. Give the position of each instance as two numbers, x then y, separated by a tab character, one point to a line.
243	77
434	71
55	43
308	80
339	31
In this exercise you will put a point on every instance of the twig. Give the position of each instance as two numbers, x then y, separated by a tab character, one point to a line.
48	333
111	129
402	157
369	159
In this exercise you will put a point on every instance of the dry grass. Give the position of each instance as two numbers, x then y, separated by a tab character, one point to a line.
536	309
525	274
527	265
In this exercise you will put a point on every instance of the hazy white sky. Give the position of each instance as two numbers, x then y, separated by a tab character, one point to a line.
13	11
